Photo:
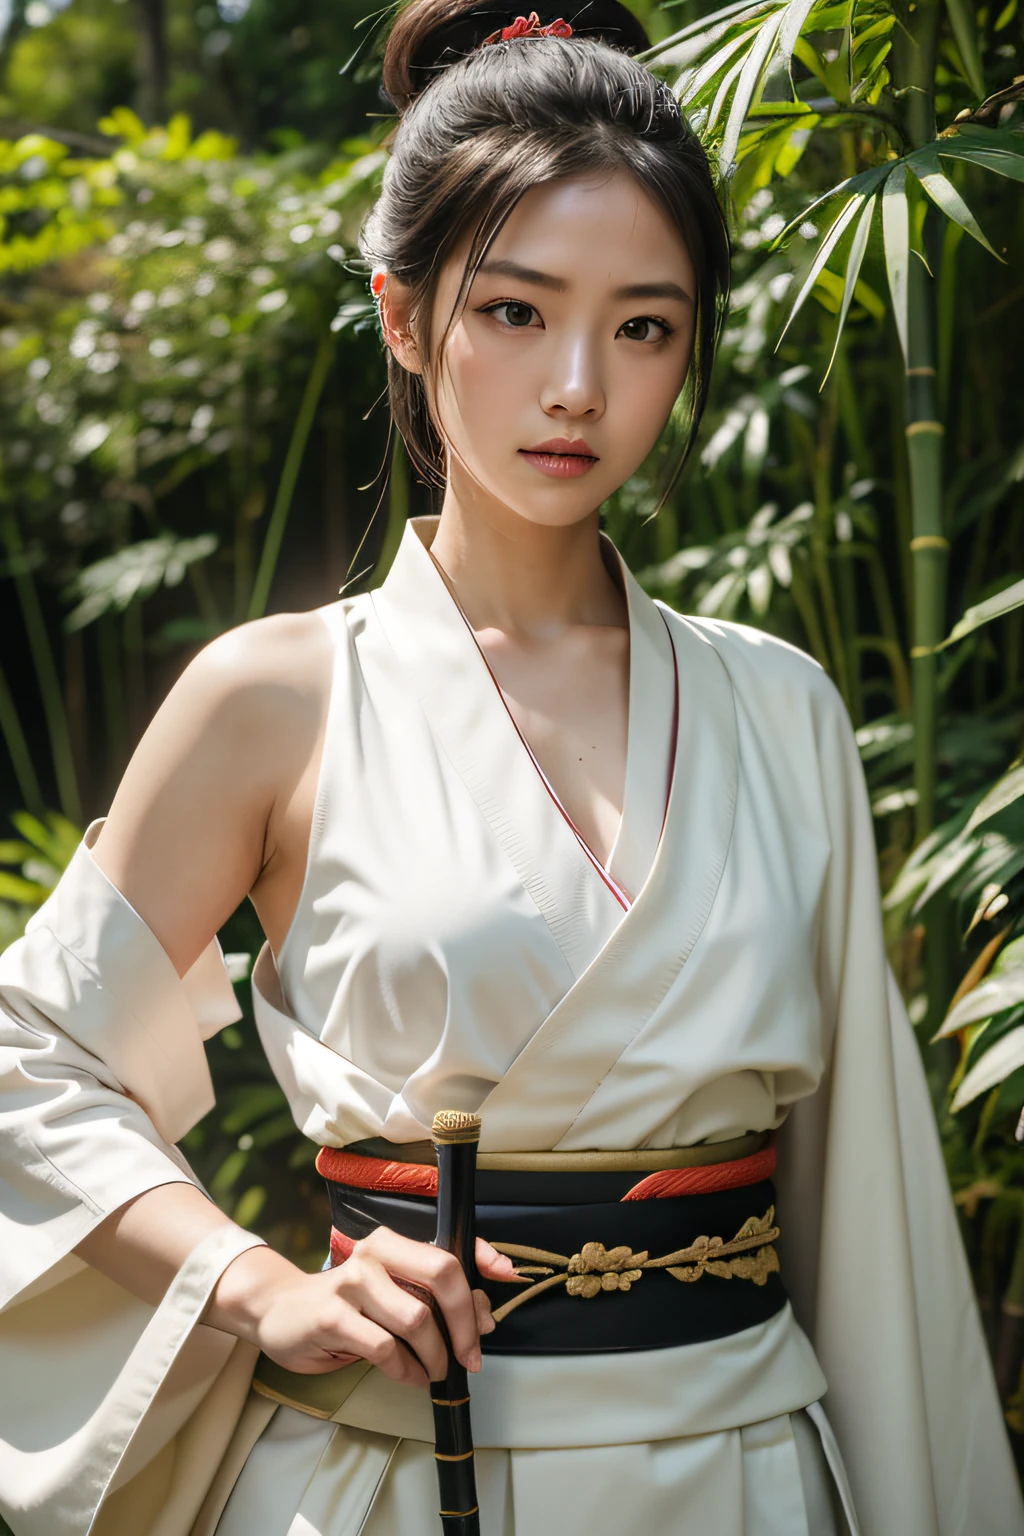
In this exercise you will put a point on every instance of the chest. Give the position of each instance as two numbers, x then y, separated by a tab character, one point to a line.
569	701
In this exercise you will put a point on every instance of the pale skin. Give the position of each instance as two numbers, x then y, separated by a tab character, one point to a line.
579	329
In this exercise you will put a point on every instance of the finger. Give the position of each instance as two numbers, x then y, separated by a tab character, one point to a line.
372	1289
484	1320
346	1337
495	1265
372	1342
442	1274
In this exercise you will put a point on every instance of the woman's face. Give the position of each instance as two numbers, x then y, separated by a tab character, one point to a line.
573	344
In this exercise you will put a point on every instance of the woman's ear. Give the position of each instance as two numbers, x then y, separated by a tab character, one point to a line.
396	324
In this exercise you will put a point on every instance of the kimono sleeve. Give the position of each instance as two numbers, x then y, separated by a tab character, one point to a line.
102	1069
874	1259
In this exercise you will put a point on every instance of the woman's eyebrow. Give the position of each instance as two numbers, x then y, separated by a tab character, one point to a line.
654	291
499	268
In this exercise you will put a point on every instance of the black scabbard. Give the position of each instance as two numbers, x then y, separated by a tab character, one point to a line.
455	1136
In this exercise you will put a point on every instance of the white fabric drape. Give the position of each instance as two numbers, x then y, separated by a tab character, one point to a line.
454	947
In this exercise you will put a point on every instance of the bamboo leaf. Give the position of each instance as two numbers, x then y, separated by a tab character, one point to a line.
925	165
703	76
708	28
25	892
853	265
809	59
796	14
961	19
721	97
1003	162
983	613
1005	1057
1003	793
822	255
864	181
1002	988
896	234
747	86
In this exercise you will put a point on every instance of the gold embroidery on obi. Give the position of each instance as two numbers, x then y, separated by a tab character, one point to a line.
596	1269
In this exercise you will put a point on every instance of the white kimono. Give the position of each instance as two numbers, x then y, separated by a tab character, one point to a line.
456	946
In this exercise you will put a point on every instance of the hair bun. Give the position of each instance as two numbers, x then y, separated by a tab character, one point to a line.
428	35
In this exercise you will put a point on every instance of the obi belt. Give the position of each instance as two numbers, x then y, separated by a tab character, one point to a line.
612	1250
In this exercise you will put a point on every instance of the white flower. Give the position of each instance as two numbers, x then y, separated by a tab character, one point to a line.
268	302
39	367
261	276
301	233
143	300
170	296
202	418
330	223
220	325
160	347
173	237
103	362
204	285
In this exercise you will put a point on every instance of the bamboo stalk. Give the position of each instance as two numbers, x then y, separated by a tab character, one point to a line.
115	713
18	752
914	58
47	678
289	475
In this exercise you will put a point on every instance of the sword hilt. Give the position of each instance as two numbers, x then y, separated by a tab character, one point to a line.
455	1136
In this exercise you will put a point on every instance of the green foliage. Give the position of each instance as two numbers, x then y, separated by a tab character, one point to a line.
155	320
71	70
189	353
30	867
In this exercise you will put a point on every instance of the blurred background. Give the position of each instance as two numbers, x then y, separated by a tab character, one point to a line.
192	435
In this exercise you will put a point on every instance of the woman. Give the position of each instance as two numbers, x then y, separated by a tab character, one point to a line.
521	842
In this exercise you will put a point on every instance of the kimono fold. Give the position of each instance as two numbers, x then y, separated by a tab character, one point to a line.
455	947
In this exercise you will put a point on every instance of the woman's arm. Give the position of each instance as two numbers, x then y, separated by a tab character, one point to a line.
309	1323
216	803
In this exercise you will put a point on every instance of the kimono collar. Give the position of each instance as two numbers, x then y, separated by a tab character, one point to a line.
468	716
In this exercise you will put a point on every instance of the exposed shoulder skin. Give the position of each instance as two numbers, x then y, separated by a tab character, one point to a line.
217	800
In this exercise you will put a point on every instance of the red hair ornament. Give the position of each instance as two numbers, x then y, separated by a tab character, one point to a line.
528	26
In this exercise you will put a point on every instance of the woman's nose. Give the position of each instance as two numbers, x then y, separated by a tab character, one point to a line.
575	382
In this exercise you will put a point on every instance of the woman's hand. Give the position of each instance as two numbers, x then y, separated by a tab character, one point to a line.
316	1323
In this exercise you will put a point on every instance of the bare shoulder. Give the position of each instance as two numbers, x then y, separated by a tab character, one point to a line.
288	654
187	833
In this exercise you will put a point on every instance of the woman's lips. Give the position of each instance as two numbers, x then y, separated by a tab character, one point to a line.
560	458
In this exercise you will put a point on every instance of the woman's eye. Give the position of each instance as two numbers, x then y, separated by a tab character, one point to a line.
513	312
645	328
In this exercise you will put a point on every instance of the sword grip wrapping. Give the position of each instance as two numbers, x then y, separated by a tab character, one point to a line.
455	1138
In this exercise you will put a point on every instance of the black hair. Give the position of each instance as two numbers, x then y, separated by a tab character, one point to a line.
480	126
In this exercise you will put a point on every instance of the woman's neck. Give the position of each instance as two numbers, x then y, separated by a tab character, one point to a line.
523	578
